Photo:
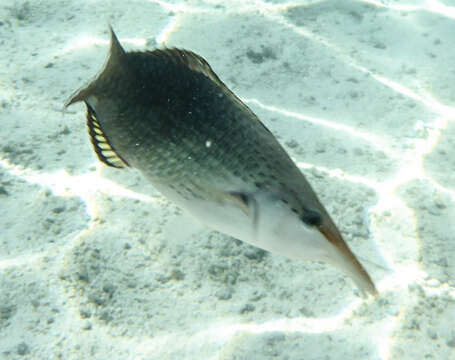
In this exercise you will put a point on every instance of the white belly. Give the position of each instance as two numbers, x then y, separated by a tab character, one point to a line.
276	228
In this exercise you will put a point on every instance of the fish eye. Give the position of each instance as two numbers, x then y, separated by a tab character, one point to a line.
312	218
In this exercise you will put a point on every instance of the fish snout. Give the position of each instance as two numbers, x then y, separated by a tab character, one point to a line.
344	259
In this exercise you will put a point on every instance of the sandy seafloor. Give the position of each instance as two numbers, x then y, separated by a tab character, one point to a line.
96	264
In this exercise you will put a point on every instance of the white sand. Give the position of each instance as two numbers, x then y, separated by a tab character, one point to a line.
95	264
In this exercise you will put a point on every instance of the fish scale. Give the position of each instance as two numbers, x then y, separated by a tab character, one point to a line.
167	114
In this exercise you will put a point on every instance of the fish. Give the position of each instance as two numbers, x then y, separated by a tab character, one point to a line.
167	114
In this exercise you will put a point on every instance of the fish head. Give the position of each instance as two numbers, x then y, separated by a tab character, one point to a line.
340	256
309	234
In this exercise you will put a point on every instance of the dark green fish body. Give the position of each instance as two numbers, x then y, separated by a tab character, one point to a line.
167	114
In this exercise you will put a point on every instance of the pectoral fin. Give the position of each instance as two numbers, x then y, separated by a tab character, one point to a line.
247	203
244	201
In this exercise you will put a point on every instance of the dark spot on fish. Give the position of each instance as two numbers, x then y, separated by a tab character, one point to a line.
294	210
312	218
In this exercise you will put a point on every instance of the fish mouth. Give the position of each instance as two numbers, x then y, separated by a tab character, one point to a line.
345	260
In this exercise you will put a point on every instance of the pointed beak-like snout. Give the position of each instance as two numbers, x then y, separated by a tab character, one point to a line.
345	260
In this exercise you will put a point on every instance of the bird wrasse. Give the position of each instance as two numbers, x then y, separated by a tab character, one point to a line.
167	114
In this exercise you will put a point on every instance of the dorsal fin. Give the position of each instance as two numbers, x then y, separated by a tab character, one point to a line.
197	63
103	148
188	59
